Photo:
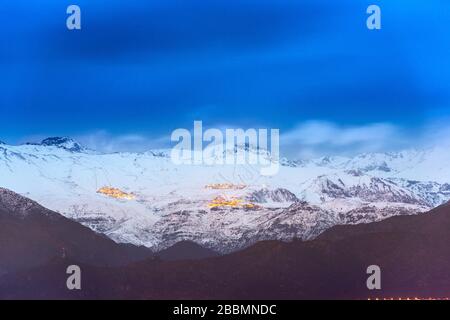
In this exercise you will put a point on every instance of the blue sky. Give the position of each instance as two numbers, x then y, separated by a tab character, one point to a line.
139	69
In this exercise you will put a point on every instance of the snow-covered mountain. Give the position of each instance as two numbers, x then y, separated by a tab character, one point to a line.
151	201
420	165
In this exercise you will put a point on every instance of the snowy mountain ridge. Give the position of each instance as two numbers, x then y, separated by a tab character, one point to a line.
221	207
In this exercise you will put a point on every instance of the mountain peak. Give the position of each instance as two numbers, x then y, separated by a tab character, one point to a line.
186	250
63	142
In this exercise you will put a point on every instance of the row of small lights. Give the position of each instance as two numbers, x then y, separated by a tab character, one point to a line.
407	299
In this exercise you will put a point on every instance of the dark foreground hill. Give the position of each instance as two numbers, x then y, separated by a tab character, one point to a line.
186	250
412	252
31	236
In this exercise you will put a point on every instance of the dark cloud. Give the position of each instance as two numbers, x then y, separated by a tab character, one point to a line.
139	31
149	66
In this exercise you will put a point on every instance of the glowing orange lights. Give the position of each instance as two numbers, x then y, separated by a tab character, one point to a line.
407	299
116	193
230	202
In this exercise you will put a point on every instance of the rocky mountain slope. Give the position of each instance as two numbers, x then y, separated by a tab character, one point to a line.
412	252
31	235
153	202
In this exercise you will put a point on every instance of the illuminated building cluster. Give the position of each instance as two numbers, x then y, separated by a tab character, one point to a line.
116	193
231	202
